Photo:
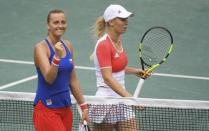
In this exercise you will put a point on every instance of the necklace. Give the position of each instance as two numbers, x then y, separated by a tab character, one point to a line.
117	45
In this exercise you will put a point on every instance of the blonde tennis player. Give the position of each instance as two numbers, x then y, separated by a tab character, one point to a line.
111	62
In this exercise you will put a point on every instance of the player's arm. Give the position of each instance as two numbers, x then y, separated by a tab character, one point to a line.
136	71
41	60
111	82
76	89
75	85
103	54
77	93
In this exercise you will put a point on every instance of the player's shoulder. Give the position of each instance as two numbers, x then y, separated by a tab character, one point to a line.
41	48
40	45
103	42
103	39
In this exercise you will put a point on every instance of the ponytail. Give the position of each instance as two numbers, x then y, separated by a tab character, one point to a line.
99	27
98	30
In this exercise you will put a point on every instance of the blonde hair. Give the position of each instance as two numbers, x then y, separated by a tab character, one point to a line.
99	27
98	30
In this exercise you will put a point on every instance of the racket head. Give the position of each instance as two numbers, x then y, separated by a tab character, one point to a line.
155	46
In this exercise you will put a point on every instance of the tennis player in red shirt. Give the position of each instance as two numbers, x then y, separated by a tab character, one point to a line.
111	62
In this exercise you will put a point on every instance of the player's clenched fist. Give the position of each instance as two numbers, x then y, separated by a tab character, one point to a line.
59	49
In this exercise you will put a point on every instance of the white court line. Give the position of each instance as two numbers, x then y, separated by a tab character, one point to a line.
92	68
86	68
182	76
32	63
18	82
16	61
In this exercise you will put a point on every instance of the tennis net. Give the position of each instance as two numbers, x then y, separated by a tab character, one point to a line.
122	113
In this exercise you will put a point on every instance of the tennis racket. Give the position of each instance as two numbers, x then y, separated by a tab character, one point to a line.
84	126
154	48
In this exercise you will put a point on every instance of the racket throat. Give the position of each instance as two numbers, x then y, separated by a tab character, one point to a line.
142	64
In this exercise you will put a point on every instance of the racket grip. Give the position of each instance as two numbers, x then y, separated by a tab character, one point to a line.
138	88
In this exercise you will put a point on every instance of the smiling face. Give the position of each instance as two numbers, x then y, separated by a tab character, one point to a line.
56	24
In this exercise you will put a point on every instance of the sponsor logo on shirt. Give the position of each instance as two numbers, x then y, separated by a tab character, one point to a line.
49	102
116	55
71	61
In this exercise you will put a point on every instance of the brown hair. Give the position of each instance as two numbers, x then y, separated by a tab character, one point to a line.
53	12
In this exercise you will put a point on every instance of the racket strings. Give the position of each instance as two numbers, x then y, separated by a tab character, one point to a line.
155	46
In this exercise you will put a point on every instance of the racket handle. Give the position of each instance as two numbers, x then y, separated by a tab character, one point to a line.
138	88
85	124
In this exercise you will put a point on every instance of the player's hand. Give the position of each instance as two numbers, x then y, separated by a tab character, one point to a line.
59	49
85	116
143	74
146	74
